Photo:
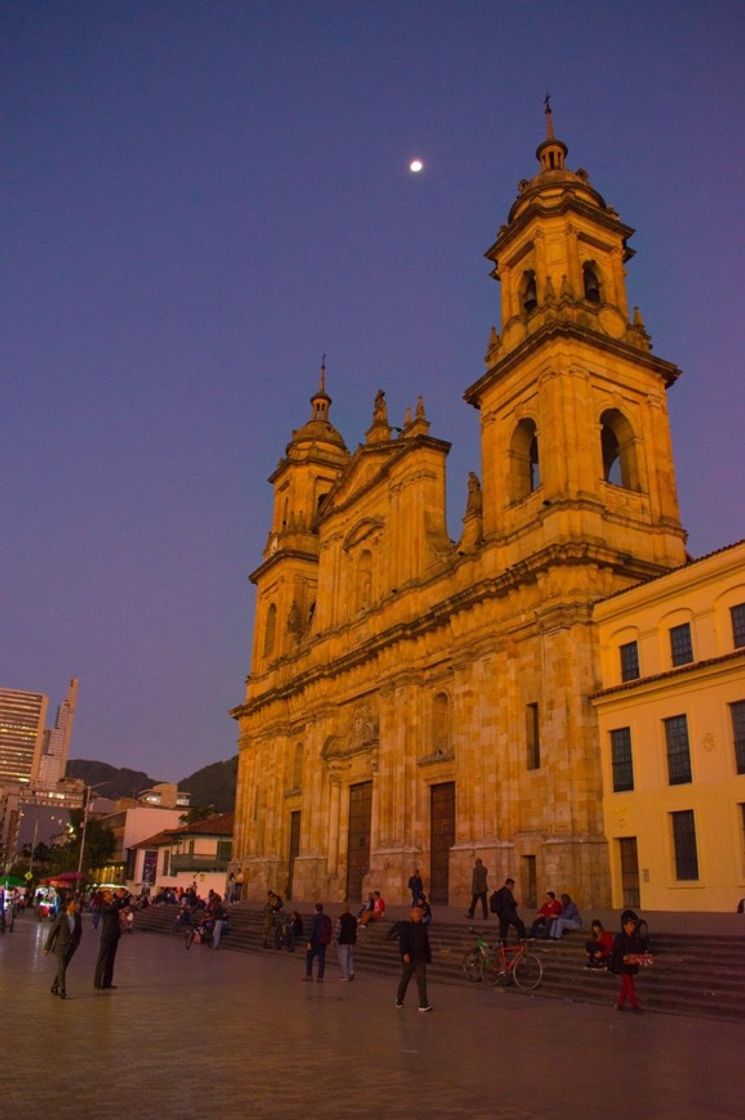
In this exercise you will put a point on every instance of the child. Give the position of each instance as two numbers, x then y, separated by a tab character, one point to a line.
629	951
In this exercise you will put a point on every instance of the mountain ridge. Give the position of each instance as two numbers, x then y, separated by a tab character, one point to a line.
211	785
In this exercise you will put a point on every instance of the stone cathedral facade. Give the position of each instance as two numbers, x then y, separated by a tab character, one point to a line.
415	701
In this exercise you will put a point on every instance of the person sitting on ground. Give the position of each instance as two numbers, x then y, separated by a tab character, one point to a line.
368	904
599	947
570	919
545	915
377	911
292	929
424	905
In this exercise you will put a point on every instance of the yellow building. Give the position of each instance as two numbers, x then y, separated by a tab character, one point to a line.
671	721
415	701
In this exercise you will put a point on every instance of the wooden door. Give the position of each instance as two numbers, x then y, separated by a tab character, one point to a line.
294	849
358	839
442	838
629	871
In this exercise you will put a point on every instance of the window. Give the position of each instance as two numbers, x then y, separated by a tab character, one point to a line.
737	711
738	625
364	579
629	654
623	770
681	646
678	752
297	766
684	844
532	737
166	861
441	723
619	454
224	850
526	469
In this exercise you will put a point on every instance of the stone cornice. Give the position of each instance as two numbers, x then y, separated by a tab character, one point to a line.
710	666
668	372
535	209
524	572
281	555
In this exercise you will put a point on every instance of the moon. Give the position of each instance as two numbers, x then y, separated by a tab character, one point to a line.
416	166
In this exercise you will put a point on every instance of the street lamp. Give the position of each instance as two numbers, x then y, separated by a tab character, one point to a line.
86	806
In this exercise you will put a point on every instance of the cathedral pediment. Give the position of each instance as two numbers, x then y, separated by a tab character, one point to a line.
363	472
363	530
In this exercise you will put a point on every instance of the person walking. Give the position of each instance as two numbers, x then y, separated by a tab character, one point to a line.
63	939
416	886
629	951
219	918
345	936
111	905
319	936
416	954
479	887
503	904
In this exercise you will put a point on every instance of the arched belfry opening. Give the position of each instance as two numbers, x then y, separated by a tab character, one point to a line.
591	282
524	453
617	441
529	292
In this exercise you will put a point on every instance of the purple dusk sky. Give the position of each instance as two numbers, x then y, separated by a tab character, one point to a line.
203	197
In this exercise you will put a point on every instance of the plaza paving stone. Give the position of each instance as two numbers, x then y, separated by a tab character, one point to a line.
238	1036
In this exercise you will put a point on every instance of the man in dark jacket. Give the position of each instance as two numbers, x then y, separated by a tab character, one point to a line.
63	939
504	905
111	905
479	887
319	936
415	956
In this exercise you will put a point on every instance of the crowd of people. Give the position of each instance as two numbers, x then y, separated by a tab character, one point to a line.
622	954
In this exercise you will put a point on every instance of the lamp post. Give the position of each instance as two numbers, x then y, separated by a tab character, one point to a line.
86	806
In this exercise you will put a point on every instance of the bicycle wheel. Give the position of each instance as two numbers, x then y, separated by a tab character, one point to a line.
492	969
472	965
528	972
188	938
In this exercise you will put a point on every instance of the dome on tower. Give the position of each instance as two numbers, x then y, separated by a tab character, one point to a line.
549	188
319	428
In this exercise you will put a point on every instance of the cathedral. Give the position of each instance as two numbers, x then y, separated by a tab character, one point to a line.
415	701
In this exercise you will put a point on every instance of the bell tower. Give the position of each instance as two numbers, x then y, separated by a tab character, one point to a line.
574	424
287	578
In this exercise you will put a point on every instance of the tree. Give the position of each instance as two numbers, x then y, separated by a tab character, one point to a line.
195	813
99	845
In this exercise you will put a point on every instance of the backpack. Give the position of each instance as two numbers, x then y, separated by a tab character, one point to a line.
325	930
495	903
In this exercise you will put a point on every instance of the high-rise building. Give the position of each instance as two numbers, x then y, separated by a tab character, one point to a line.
22	719
56	743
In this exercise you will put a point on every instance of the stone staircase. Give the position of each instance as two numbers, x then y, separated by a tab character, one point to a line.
693	974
